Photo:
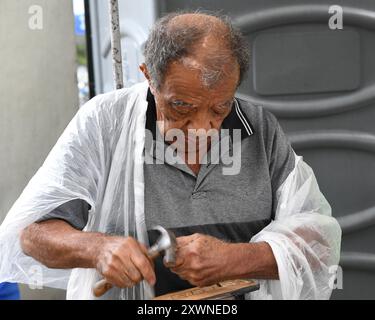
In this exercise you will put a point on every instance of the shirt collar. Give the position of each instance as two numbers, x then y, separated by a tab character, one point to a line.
237	119
151	114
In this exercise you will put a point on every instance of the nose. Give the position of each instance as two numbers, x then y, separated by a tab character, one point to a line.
201	120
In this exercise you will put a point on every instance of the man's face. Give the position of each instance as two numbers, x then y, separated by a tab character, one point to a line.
184	103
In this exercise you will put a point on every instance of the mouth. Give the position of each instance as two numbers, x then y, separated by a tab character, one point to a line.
191	143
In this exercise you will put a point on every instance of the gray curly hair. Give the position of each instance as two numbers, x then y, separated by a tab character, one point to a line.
170	42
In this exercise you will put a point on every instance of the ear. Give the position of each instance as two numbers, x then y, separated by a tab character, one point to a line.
145	72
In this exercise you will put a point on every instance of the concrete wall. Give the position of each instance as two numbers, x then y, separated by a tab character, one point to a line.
38	91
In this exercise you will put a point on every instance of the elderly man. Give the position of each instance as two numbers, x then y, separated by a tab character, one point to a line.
117	171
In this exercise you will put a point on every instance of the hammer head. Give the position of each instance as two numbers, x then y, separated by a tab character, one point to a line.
165	245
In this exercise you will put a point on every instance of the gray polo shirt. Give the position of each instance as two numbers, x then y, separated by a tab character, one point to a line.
230	207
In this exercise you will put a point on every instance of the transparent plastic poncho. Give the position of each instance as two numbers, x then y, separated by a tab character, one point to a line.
305	240
99	158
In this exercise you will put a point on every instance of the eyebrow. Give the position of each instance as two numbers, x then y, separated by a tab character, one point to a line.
227	102
172	100
179	100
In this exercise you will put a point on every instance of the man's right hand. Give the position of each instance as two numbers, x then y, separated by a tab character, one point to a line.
124	262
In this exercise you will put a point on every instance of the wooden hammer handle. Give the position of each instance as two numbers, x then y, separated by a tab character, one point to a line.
101	287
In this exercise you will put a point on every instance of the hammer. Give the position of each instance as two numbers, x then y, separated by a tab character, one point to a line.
165	244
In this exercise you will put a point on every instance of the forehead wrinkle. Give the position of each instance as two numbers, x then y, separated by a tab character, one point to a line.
211	53
212	69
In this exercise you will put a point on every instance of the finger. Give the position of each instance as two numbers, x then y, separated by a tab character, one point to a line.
179	261
185	240
120	280
127	282
182	275
113	274
191	278
132	273
143	264
187	276
180	269
145	252
128	271
177	270
182	256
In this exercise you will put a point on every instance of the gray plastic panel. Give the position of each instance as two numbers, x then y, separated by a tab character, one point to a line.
306	62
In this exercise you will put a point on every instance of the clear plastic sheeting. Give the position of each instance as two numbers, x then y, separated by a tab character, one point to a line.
305	240
98	158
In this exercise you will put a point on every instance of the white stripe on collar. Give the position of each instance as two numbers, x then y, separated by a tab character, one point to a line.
242	118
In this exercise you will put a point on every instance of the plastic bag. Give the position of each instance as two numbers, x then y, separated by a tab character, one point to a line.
98	158
305	240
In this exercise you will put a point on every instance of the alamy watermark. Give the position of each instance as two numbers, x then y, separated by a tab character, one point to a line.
196	146
336	280
35	275
35	21
336	19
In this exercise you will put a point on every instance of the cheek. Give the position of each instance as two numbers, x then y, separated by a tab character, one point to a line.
168	121
171	124
218	122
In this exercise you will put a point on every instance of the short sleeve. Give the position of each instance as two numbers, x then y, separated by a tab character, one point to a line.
74	212
281	158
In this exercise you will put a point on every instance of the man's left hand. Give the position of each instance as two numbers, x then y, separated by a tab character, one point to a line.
202	260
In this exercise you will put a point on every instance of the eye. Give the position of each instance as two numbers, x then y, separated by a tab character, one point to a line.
179	103
181	107
219	112
223	109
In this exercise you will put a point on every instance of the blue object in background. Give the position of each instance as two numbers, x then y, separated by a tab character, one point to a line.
9	291
79	22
